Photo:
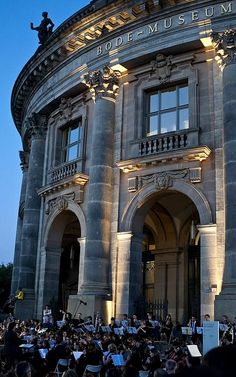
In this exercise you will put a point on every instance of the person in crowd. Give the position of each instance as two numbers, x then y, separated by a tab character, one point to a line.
207	317
20	294
47	317
23	369
167	327
171	366
221	360
113	324
11	345
193	324
153	361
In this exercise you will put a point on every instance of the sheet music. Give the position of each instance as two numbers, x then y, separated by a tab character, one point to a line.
186	330
119	331
118	360
77	354
132	330
43	352
193	350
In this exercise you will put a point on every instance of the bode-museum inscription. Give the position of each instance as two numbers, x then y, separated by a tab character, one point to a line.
191	17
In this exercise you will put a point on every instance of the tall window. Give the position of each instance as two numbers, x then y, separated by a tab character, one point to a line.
71	145
167	110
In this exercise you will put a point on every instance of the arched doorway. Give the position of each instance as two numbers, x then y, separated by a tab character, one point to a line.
186	208
164	262
69	263
171	260
60	261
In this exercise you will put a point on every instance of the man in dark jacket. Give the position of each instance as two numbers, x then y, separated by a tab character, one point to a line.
11	345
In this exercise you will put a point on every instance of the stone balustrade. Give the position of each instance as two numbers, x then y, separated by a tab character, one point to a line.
166	143
63	171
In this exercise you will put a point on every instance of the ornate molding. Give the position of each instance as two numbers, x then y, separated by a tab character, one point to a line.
225	46
77	181
197	154
163	180
61	202
162	67
36	125
103	83
65	109
24	160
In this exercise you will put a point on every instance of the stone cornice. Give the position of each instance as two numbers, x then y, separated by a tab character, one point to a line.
89	25
191	154
75	180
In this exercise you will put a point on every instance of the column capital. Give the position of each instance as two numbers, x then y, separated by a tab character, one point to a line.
124	236
103	83
225	46
37	125
207	228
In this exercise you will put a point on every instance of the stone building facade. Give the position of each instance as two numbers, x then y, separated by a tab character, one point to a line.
126	115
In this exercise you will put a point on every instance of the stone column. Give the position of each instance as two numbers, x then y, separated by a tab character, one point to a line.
16	265
122	278
29	240
136	272
225	45
208	268
49	278
104	86
82	243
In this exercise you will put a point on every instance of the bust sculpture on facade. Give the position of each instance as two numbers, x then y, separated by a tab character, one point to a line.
44	29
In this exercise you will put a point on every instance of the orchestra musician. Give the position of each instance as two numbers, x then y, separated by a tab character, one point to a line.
167	327
113	324
47	317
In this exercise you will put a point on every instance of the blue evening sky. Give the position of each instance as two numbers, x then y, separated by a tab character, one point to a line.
18	44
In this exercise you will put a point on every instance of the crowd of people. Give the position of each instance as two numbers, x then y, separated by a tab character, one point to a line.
126	347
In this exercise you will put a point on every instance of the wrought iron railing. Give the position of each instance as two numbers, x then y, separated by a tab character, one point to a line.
157	308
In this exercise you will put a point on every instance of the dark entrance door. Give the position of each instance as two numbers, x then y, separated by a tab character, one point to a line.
194	281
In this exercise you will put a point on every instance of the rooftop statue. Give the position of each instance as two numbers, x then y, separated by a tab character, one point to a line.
44	29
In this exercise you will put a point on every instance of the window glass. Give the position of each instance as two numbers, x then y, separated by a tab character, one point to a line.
71	145
167	110
72	153
183	95
183	119
153	103
168	122
74	133
152	125
168	99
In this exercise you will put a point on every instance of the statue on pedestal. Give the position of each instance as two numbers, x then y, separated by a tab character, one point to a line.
44	29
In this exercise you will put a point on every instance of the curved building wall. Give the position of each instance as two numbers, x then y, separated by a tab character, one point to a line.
123	115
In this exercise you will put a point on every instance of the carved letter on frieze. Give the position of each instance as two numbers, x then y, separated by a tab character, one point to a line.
225	46
103	83
162	67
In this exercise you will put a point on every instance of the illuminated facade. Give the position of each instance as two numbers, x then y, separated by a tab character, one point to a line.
126	116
